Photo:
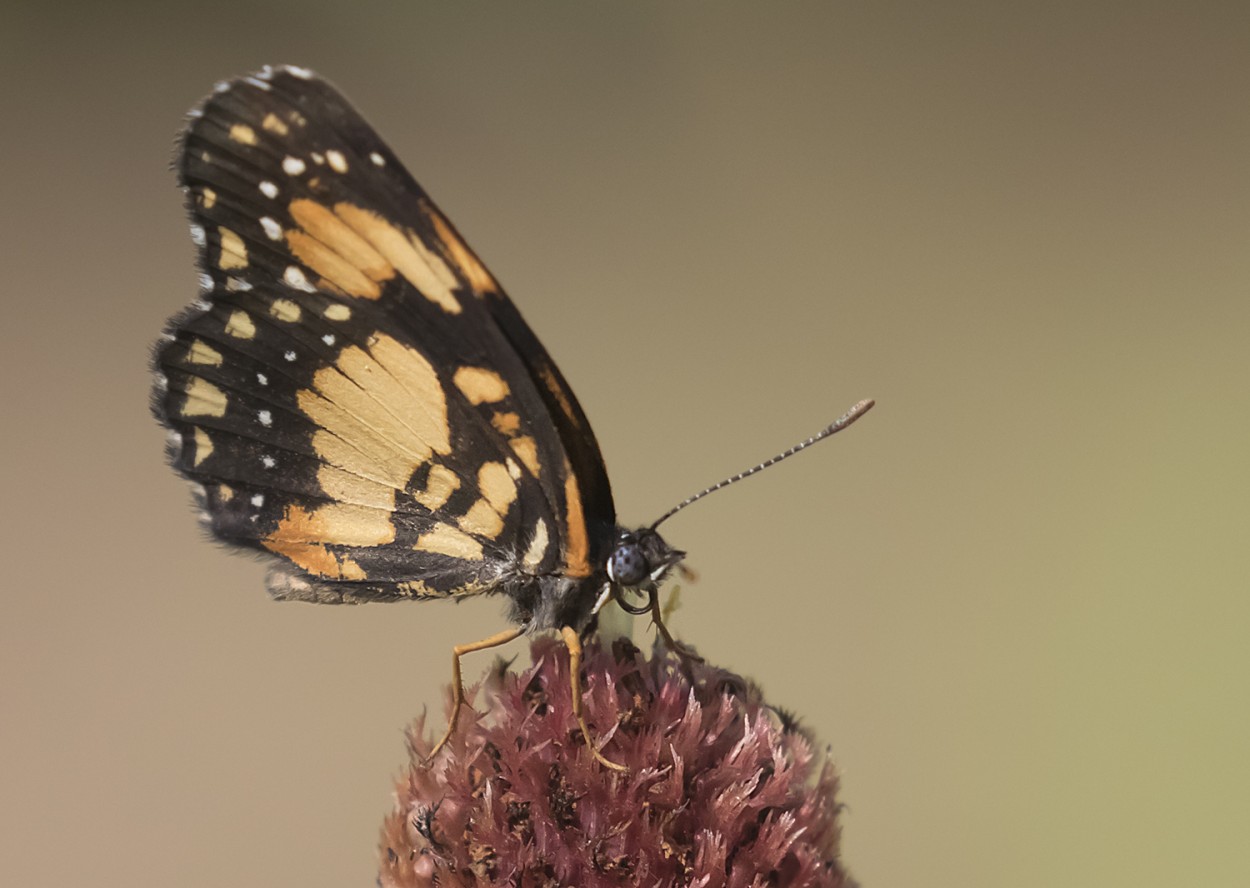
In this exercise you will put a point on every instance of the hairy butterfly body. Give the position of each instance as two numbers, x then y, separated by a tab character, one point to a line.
354	395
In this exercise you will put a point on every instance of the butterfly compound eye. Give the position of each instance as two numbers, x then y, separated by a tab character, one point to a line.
628	566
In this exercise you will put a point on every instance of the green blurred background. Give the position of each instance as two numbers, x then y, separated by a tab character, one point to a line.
1012	601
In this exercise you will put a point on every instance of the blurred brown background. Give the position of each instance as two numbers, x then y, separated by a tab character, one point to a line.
1013	601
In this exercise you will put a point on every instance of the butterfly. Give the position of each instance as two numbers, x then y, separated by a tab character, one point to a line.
354	396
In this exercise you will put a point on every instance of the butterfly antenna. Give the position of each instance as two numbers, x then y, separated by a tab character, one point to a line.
836	426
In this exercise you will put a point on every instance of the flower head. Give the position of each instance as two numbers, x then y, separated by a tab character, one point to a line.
720	792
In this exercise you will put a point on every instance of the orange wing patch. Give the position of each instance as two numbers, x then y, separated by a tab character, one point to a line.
357	430
481	385
486	517
285	310
355	251
233	250
444	539
553	385
203	399
506	423
330	247
243	134
240	325
459	254
201	352
203	447
577	542
406	254
526	450
439	486
368	454
274	124
301	536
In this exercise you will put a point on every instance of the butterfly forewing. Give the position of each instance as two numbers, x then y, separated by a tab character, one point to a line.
354	393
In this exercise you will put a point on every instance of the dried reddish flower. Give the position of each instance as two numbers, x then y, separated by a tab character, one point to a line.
720	792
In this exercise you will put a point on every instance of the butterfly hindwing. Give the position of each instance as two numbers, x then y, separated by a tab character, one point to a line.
353	393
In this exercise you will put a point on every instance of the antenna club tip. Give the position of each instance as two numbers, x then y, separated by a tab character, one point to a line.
854	413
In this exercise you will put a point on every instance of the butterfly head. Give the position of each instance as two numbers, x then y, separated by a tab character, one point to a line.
641	559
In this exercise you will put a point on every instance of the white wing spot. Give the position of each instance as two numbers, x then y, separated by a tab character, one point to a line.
328	339
197	235
301	73
268	189
318	159
258	500
290	356
272	229
262	379
337	161
268	462
293	166
206	282
258	83
237	285
377	159
265	417
294	277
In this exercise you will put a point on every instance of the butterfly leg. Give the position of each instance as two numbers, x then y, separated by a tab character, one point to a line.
657	617
457	683
574	644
